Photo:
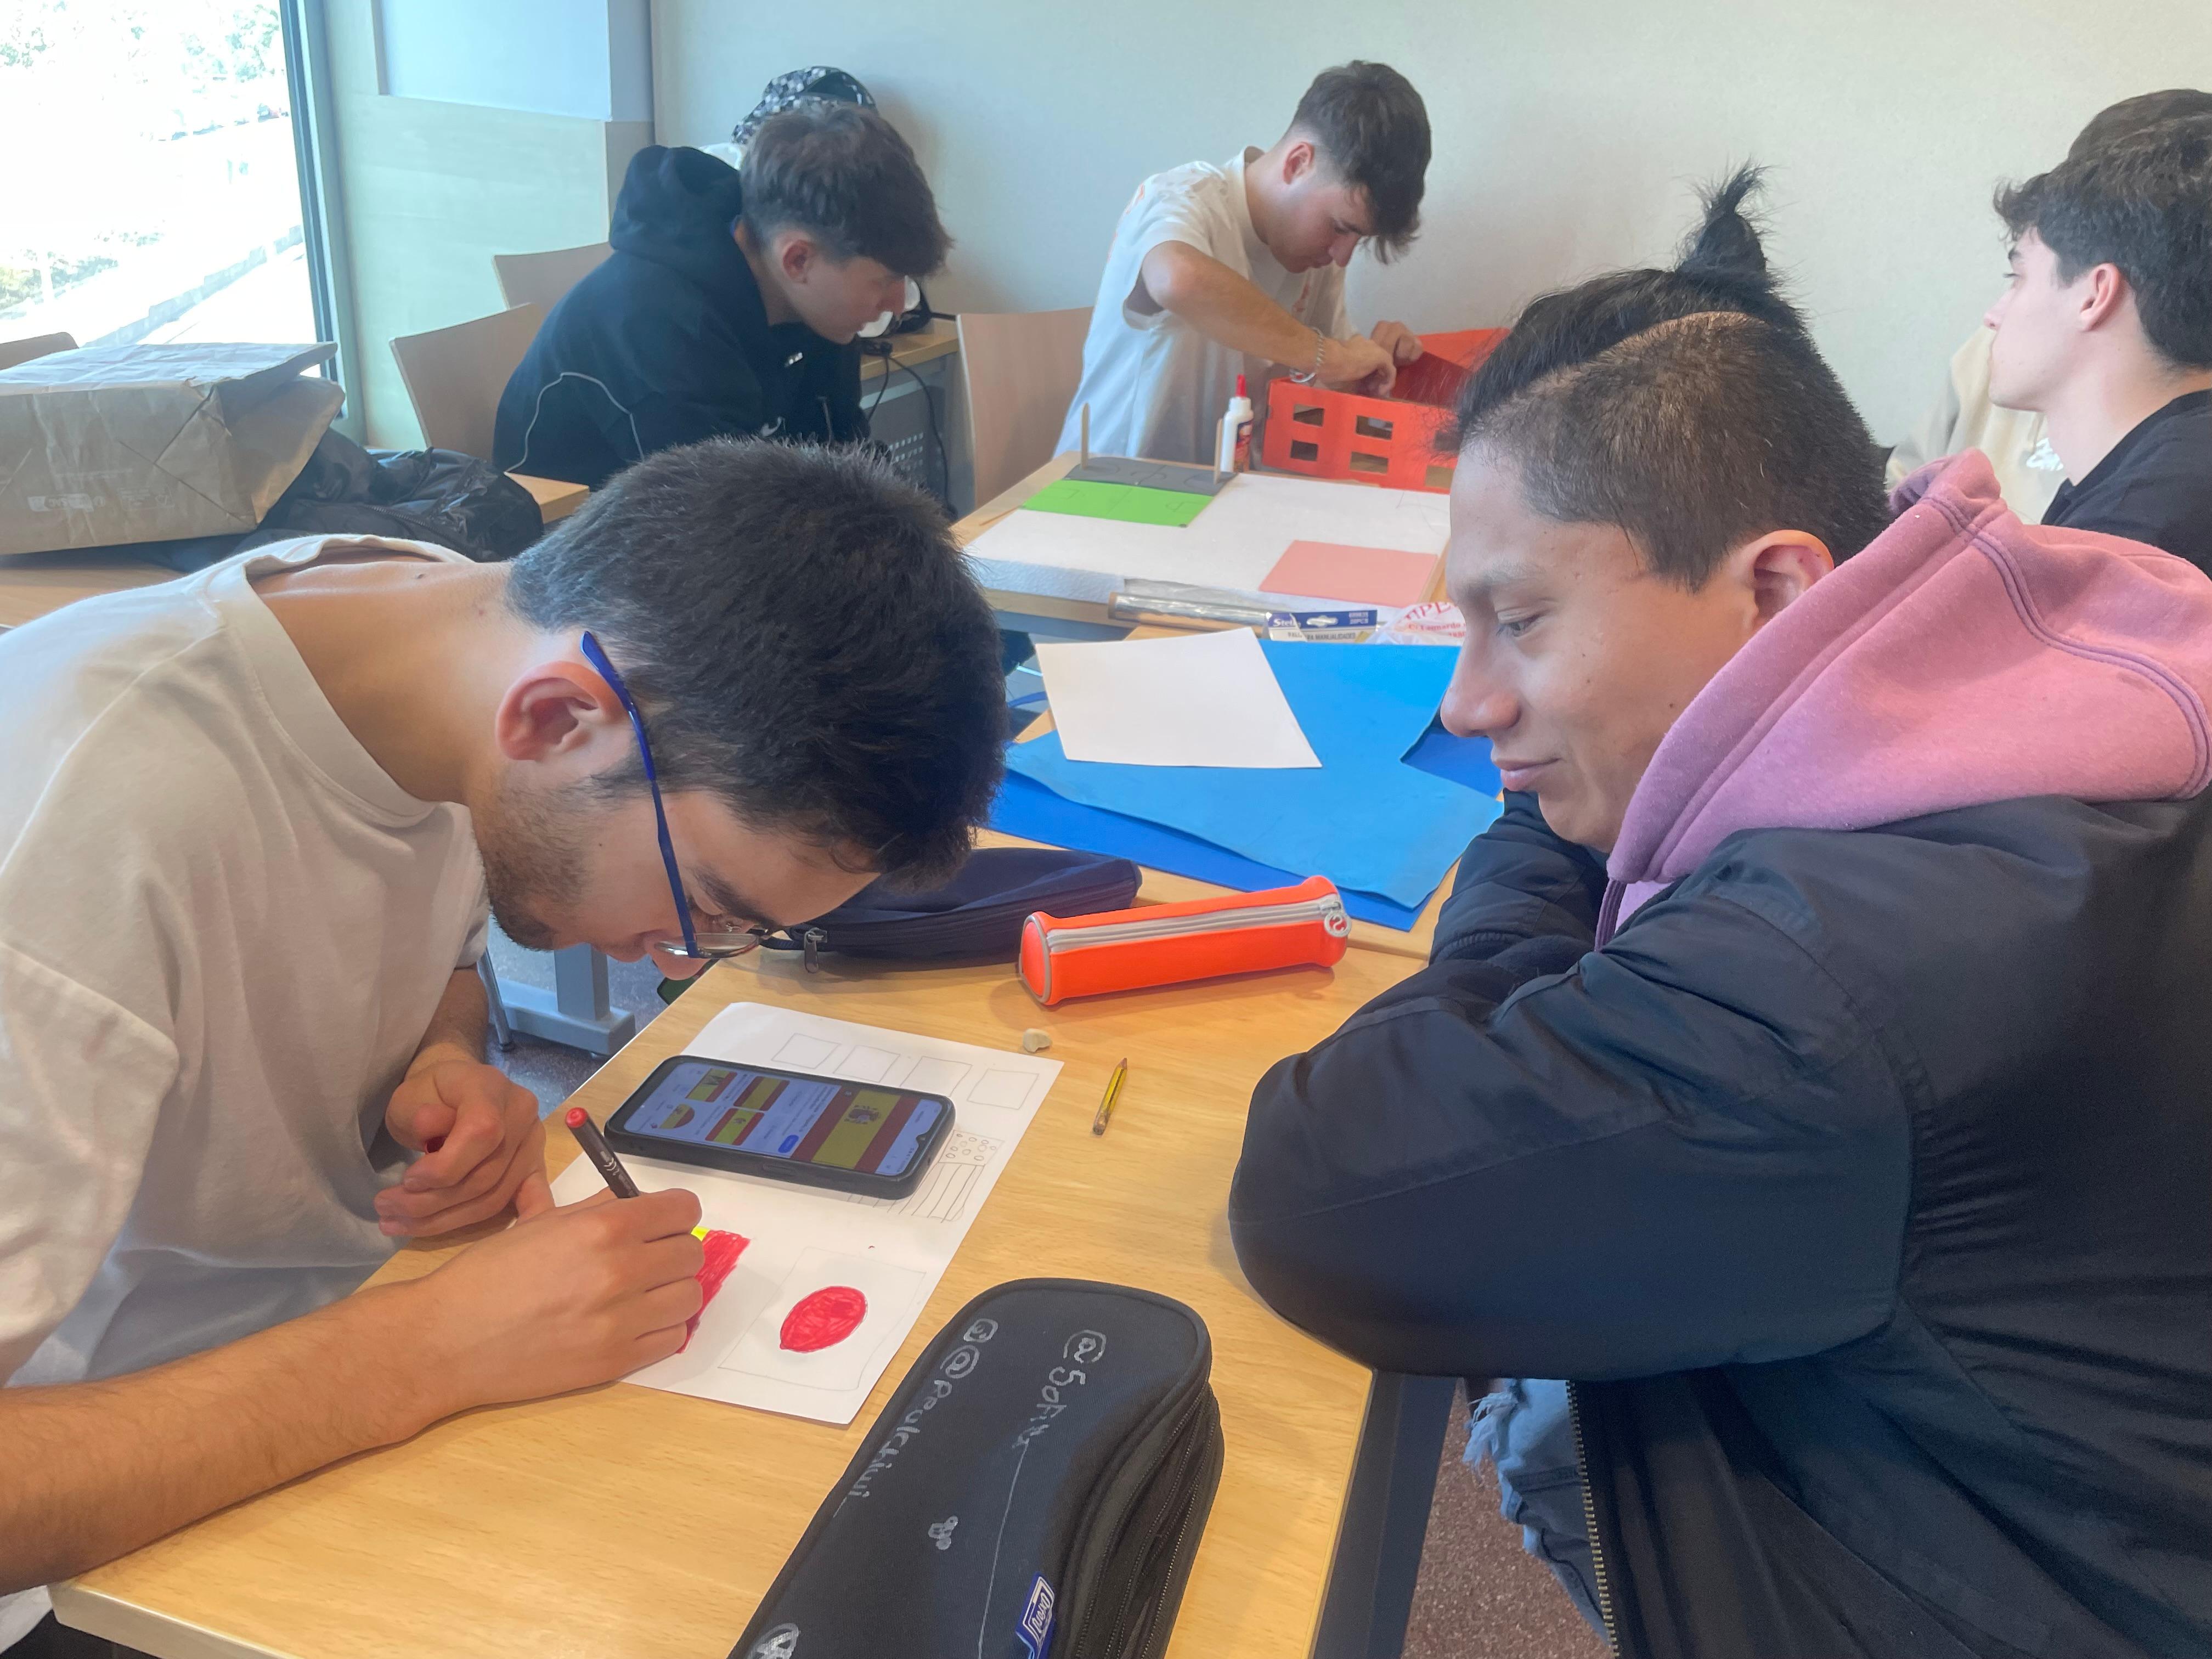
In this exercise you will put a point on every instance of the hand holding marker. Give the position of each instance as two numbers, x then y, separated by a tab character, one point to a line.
602	1155
603	1159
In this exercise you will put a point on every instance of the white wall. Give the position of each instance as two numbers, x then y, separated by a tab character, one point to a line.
1568	132
430	190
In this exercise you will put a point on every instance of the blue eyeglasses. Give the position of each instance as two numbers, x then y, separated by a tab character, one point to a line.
710	945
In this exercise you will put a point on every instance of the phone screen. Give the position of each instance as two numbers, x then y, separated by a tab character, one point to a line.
803	1119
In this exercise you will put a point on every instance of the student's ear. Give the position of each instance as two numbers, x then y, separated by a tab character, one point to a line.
1298	160
2103	293
1779	567
560	710
795	254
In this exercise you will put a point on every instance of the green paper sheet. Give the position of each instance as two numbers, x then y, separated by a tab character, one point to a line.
1131	503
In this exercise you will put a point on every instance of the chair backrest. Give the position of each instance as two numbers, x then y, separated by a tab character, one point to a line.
454	375
1023	367
541	279
13	352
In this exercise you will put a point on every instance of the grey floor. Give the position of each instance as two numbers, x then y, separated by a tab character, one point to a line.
1478	1596
549	1070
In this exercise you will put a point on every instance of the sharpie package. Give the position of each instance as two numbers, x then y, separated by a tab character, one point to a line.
1035	1489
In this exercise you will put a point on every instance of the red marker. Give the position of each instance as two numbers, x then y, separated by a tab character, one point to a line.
602	1155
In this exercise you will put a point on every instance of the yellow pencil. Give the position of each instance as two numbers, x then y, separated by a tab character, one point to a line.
1113	1093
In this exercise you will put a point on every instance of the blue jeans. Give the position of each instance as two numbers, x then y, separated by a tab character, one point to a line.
1526	1433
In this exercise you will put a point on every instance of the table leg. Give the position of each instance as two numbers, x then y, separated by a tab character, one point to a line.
577	1011
1386	1516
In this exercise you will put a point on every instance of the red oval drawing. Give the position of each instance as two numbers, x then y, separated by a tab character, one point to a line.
721	1252
823	1318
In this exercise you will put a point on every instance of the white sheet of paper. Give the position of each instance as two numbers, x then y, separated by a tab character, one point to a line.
1232	545
805	1239
1194	700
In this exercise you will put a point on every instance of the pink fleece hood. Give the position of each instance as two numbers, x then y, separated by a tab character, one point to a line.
1962	658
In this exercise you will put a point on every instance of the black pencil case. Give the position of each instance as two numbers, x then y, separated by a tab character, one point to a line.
979	912
1036	1486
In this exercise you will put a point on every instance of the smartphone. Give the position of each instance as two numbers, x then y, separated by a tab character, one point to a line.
787	1126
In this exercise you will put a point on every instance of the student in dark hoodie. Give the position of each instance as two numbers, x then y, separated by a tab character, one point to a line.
1811	1064
2105	327
730	305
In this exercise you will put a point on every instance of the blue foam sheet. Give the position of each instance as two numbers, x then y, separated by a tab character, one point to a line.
1366	819
1029	809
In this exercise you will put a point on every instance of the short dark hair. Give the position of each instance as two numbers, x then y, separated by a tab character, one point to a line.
801	635
1689	407
843	175
2131	115
1371	127
2142	202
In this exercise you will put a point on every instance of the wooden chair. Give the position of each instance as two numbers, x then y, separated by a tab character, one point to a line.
541	279
13	352
1021	367
454	375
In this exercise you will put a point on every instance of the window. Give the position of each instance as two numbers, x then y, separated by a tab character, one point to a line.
152	191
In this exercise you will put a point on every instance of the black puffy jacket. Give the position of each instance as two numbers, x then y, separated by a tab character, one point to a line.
666	342
1864	1179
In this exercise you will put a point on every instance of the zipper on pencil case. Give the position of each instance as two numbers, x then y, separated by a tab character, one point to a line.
1328	910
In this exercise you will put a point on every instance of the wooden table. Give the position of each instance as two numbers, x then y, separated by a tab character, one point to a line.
1051	613
1160	887
925	345
33	584
627	1523
557	498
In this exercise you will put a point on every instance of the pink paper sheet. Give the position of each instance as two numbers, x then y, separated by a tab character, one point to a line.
1362	575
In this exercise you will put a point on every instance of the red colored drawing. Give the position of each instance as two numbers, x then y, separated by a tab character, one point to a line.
723	1250
823	1318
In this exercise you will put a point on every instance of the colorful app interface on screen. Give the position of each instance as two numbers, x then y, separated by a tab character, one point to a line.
845	1126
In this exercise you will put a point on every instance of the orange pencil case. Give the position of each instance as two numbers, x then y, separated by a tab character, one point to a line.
1167	943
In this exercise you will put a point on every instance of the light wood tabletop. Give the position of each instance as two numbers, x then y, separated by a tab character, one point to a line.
627	1523
1160	886
32	586
557	498
941	338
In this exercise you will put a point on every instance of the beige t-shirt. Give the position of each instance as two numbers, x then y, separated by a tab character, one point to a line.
223	932
2028	470
1156	386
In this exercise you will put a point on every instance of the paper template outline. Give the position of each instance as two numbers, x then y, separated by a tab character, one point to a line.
890	1317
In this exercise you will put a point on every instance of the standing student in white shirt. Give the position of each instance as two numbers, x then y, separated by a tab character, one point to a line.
251	826
1217	271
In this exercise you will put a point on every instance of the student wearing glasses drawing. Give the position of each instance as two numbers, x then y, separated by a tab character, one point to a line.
252	826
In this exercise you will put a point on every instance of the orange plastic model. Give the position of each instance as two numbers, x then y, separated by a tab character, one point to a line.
1379	441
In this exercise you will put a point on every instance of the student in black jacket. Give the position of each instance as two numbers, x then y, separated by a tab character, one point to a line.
730	305
1811	1065
2105	327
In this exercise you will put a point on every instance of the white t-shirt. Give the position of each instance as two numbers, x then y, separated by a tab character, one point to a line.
1156	386
223	932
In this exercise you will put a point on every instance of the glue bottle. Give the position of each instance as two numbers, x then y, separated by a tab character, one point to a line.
1236	431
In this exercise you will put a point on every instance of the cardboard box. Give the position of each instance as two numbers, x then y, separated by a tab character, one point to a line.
119	444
